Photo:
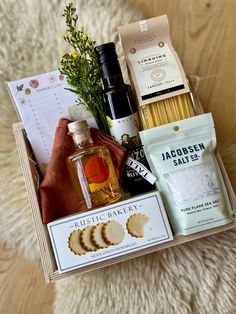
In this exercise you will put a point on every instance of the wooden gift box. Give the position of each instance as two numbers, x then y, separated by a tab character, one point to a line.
32	179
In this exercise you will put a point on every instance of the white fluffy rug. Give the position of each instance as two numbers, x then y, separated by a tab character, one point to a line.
199	277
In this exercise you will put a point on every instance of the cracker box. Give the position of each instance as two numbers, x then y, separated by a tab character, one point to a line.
109	232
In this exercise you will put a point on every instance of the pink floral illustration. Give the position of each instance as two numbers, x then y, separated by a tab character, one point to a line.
34	83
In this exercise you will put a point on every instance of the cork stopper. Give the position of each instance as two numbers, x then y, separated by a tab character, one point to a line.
77	126
80	133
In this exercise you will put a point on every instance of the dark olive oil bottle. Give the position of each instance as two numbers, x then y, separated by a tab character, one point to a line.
122	115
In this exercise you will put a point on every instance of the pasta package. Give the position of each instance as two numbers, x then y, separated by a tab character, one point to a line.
158	77
181	155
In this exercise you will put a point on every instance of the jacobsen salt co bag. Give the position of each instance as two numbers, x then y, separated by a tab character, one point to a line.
181	156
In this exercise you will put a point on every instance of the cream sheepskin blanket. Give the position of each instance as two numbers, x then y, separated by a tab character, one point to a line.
199	277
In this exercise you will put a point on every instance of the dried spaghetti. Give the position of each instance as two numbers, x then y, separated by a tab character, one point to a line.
166	111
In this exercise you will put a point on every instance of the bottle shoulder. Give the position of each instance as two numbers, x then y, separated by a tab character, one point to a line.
119	102
122	87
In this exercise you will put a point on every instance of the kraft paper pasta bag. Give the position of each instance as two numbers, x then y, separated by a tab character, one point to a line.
181	156
156	73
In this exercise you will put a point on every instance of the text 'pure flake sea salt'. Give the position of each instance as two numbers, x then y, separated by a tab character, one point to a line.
181	156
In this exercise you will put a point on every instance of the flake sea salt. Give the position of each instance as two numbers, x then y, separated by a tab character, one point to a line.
181	156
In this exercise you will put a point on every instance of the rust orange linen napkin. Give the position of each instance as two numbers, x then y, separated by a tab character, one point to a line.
57	195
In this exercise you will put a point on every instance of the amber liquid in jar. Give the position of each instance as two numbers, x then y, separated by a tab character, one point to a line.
92	173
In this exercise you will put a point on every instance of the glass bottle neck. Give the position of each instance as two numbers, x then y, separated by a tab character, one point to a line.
112	81
111	74
82	139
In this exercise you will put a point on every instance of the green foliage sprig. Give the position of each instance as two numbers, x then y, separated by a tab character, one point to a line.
82	69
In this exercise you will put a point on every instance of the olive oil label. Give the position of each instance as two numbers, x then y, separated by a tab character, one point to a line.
139	169
125	131
137	166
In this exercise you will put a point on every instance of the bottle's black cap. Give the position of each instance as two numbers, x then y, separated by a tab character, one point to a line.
106	52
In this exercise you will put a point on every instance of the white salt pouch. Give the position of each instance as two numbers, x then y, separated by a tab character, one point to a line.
181	156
